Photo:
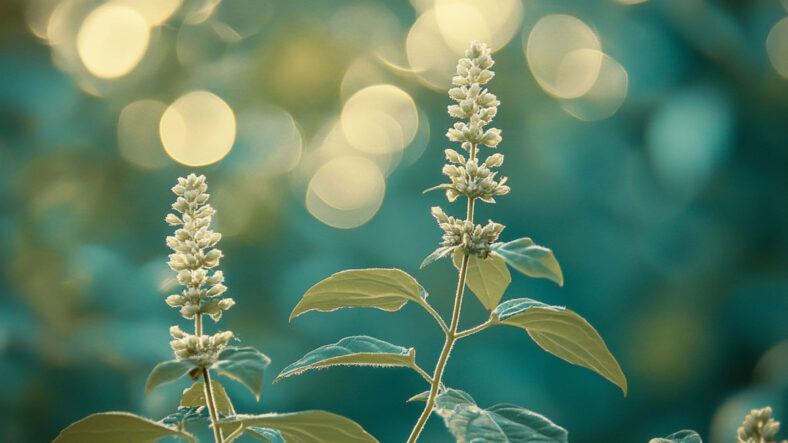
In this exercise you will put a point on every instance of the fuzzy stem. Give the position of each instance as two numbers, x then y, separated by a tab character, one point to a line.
210	400
451	334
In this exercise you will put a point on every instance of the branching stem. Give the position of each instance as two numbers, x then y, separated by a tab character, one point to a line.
451	334
474	329
437	317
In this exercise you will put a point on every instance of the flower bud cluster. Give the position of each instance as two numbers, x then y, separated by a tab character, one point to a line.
758	427
473	180
203	349
474	103
194	257
472	239
194	254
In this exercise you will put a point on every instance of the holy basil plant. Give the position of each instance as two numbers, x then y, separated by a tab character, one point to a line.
200	355
483	263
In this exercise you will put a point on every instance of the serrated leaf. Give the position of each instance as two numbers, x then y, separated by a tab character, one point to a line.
168	372
564	334
356	351
245	365
265	434
685	436
386	289
437	254
195	397
530	259
487	278
120	427
500	423
306	427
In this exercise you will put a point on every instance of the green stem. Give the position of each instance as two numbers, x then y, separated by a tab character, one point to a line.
474	329
437	316
451	334
210	400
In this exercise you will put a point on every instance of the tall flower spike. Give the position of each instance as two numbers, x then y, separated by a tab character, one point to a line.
194	257
758	427
471	177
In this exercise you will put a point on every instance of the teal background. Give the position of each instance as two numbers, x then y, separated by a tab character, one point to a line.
684	275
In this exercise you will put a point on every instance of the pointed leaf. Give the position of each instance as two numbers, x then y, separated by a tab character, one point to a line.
306	427
355	351
437	254
532	260
186	415
265	434
386	289
424	396
500	423
195	397
487	278
564	334
685	436
168	372
120	427
245	365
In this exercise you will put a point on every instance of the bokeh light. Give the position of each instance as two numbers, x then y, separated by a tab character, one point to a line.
346	192
155	12
380	119
198	129
112	40
461	21
607	93
777	47
269	142
138	134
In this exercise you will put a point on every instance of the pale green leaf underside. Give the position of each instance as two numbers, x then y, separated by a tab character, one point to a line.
168	372
487	278
500	423
245	365
195	397
306	427
117	427
265	434
357	351
530	259
437	254
685	436
386	289
564	334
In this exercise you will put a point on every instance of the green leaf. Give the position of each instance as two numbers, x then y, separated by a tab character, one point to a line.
500	423
195	397
685	436
357	351
245	365
424	396
487	278
168	372
437	254
265	434
306	427
386	289
185	415
532	260
120	427
564	334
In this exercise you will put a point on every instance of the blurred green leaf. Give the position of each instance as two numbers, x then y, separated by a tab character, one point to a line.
168	372
120	427
306	427
685	436
532	260
245	365
386	289
499	423
356	351
564	334
186	415
195	397
487	278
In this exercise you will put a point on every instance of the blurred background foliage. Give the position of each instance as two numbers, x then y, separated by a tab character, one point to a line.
646	144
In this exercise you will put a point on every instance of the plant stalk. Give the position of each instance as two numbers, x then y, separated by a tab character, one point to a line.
451	334
210	400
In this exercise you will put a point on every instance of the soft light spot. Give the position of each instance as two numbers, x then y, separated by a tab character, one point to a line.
492	22
112	40
346	192
555	55
428	54
380	119
777	47
269	142
606	95
138	135
37	15
198	129
155	12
